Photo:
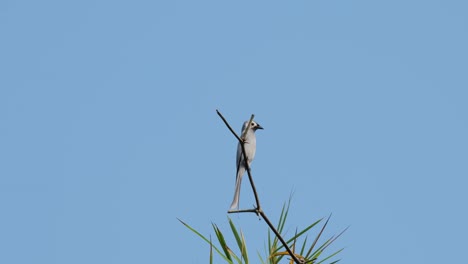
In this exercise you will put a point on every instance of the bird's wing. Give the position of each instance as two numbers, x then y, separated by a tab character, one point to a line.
239	157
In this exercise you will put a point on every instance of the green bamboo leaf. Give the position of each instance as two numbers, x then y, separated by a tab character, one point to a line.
211	251
284	215
260	257
269	239
266	250
282	220
269	242
275	246
303	246
204	238
222	242
240	240
272	249
330	241
304	231
317	238
331	256
319	250
244	249
281	217
339	234
299	234
236	234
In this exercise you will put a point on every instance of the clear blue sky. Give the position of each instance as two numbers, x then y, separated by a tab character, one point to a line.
108	130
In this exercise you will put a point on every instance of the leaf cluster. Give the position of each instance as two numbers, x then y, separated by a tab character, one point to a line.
307	252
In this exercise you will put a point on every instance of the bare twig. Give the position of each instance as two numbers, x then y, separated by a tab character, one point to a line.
228	126
258	210
254	210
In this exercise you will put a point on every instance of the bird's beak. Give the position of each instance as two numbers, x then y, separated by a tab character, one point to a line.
259	126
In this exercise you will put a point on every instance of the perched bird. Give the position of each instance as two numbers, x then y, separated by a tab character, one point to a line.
250	147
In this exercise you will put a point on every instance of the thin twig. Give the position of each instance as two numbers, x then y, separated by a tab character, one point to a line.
243	211
244	132
227	124
257	210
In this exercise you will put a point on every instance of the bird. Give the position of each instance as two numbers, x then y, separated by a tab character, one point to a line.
250	145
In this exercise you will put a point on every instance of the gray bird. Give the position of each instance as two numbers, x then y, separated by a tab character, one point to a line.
250	146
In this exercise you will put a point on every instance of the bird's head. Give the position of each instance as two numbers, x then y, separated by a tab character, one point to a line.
253	125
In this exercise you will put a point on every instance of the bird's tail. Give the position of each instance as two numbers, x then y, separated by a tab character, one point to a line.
235	201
